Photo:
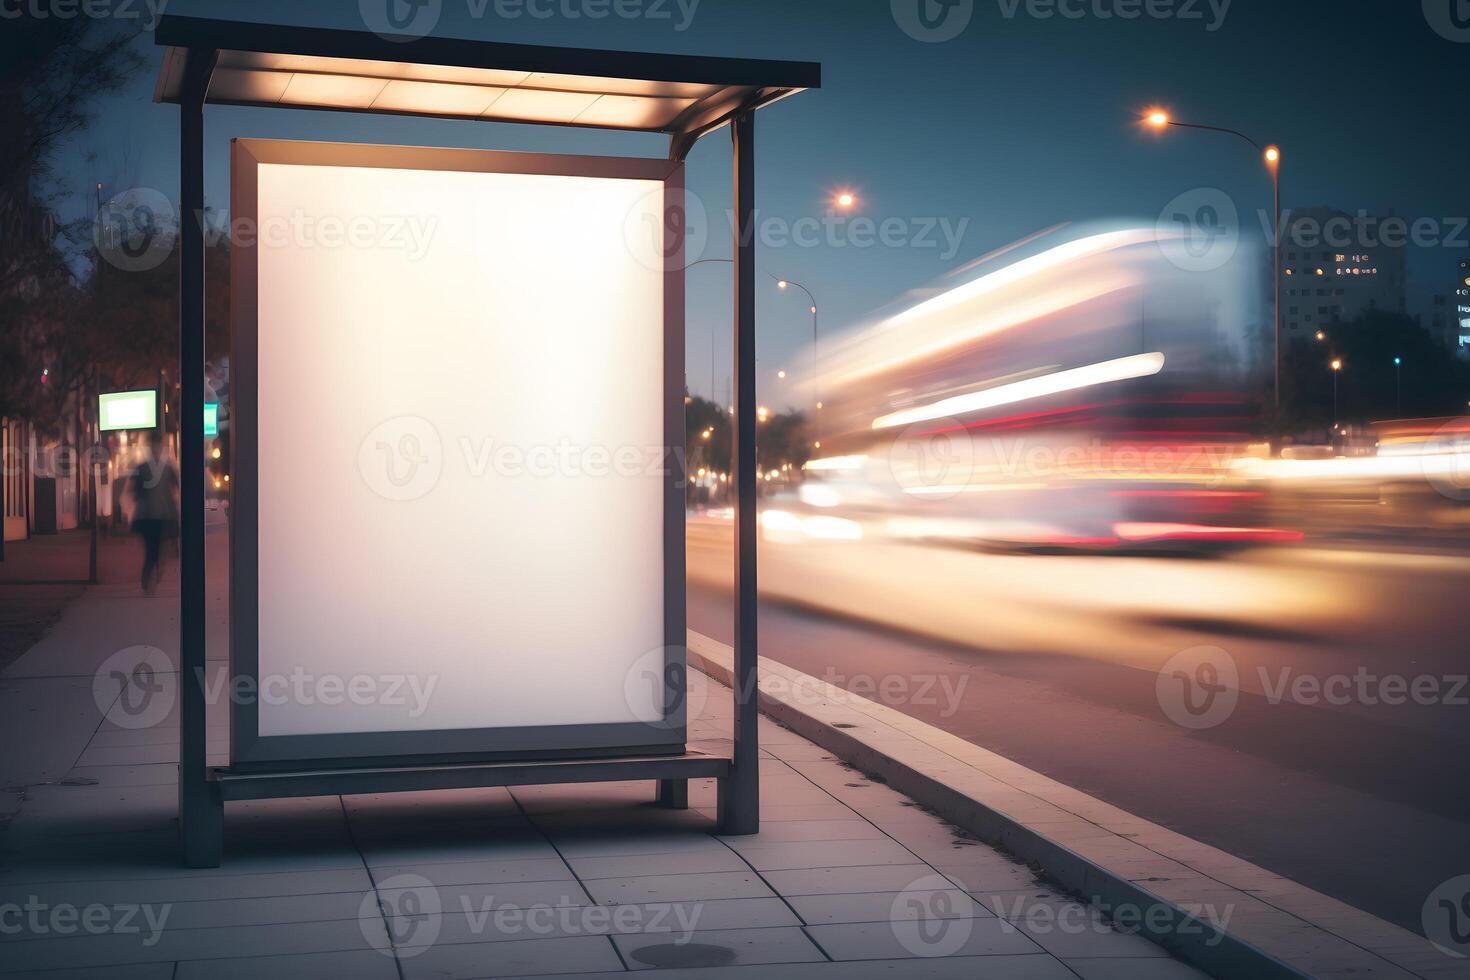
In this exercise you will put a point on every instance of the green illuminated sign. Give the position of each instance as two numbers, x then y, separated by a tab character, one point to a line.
211	419
127	410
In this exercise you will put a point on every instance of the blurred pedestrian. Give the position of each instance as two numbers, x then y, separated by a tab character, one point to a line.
154	486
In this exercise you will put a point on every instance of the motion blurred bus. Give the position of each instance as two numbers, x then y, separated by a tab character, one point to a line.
1084	389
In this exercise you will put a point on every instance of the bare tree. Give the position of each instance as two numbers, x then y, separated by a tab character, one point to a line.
52	71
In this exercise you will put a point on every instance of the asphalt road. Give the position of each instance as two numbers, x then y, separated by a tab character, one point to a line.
1327	768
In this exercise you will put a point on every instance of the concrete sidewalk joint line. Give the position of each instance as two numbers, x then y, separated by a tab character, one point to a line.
1272	927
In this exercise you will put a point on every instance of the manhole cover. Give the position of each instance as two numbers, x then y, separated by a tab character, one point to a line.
688	955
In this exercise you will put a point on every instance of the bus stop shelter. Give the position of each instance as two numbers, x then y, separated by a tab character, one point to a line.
250	64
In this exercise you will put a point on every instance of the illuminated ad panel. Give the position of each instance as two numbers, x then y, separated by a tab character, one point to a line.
458	421
120	410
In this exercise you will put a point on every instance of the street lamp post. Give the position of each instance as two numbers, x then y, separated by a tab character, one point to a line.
817	395
1272	155
1273	162
94	428
1398	384
1336	370
780	284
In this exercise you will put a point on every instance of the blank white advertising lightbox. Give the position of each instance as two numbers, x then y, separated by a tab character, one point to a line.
457	381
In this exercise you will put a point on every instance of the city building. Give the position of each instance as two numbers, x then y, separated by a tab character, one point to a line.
44	489
13	489
40	492
1461	318
1335	267
1437	322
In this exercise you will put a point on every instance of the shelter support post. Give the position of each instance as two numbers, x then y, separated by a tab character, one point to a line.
739	793
673	793
201	811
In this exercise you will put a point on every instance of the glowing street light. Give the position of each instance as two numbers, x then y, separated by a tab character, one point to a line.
846	200
1158	119
781	375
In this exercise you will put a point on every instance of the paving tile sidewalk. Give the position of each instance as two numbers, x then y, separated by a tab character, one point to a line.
39	578
847	877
